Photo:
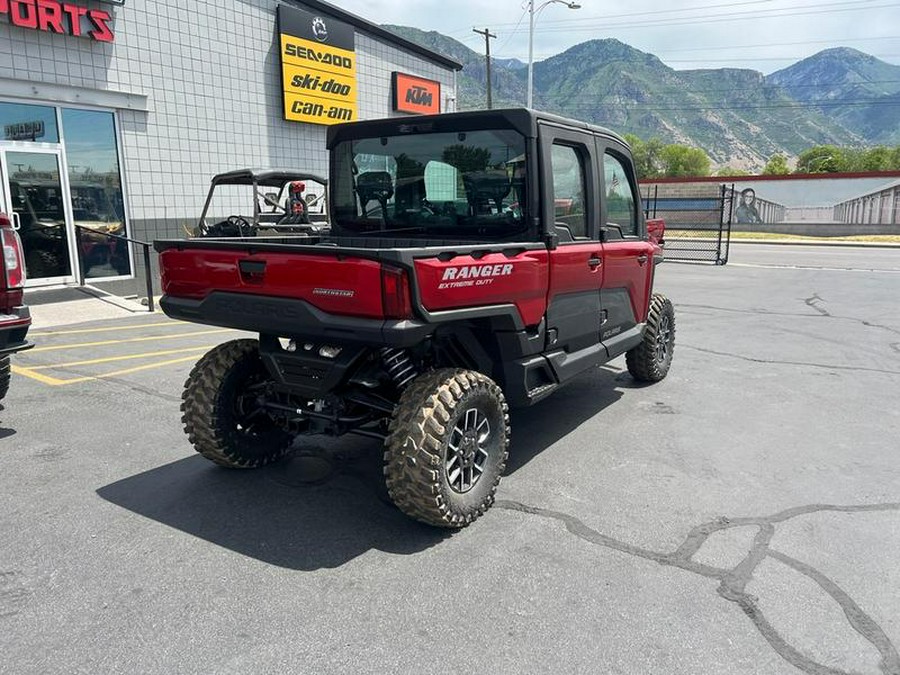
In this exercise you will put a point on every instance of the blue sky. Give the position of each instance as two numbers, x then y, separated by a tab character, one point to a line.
764	35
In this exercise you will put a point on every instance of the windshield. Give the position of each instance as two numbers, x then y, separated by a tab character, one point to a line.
439	184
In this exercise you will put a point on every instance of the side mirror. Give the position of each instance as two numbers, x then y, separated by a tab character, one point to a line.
656	229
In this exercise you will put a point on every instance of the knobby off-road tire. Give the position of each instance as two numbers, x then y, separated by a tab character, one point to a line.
4	376
220	413
650	361
447	447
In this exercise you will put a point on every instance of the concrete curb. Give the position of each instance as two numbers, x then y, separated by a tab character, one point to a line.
816	242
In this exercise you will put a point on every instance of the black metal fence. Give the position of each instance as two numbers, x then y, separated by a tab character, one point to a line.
89	239
698	224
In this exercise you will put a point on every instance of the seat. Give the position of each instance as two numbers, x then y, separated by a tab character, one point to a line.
374	186
486	187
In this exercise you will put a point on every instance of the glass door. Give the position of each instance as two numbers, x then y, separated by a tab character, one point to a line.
36	194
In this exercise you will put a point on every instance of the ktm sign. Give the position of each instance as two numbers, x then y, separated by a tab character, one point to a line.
416	95
51	16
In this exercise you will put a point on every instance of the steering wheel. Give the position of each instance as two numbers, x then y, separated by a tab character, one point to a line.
240	222
426	208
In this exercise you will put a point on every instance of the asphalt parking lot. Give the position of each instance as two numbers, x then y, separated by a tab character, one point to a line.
742	516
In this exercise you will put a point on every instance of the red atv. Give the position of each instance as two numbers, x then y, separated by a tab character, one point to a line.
475	260
14	316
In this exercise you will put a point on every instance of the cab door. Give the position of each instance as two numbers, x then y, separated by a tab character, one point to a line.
627	254
568	166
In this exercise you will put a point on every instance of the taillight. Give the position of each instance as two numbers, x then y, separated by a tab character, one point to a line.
13	261
395	295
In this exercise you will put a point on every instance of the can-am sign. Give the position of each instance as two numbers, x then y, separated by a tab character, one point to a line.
66	18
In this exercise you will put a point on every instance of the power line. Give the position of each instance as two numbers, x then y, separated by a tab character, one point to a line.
659	11
708	19
775	106
772	89
780	44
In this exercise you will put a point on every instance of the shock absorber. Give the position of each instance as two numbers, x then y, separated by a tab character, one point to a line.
399	366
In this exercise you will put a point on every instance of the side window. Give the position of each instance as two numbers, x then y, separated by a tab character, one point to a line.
569	190
620	201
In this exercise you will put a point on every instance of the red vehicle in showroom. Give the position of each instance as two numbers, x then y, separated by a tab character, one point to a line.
475	261
14	316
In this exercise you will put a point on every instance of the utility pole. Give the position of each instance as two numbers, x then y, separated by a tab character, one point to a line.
487	49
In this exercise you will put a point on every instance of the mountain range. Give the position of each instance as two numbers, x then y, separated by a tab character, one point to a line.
740	117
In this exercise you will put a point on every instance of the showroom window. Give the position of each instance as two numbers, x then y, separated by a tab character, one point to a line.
23	122
95	182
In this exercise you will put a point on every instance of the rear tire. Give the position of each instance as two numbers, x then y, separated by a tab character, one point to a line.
220	414
4	376
650	361
447	447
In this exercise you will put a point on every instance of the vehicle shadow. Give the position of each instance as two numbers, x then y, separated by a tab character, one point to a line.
326	504
536	428
5	432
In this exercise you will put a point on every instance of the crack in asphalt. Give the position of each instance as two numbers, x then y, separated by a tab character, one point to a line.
827	366
733	582
801	315
812	301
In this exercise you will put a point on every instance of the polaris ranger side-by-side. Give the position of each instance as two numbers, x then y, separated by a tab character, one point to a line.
475	260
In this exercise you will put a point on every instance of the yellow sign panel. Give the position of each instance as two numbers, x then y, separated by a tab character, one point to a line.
315	110
305	80
300	52
319	82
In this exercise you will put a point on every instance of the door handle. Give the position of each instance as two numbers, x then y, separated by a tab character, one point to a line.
16	221
594	262
642	259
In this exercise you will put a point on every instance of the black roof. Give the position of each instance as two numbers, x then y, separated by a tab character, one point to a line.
376	30
268	177
523	120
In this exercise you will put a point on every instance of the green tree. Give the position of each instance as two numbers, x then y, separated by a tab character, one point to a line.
894	162
646	156
876	159
776	166
822	159
682	160
731	171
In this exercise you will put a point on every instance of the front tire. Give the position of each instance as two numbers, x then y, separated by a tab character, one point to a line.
447	447
651	359
4	376
221	417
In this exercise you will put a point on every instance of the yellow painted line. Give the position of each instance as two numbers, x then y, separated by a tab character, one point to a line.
127	357
82	331
55	382
149	338
40	377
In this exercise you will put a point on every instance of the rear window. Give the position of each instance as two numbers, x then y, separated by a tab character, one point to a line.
444	185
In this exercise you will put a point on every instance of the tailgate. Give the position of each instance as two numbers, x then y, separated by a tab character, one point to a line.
330	281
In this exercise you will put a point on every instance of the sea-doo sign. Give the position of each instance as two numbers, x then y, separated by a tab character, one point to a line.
67	18
24	131
318	66
416	94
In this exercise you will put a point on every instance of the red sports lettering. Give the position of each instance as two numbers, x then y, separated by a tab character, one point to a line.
23	13
101	20
75	13
50	16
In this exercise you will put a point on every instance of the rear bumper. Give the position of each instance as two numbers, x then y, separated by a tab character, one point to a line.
289	317
13	329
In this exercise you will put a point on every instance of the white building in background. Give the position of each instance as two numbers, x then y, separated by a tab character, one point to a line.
114	115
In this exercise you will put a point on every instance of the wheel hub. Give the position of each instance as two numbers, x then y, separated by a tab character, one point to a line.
663	338
467	450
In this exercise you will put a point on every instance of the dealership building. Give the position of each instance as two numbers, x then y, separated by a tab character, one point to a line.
115	115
